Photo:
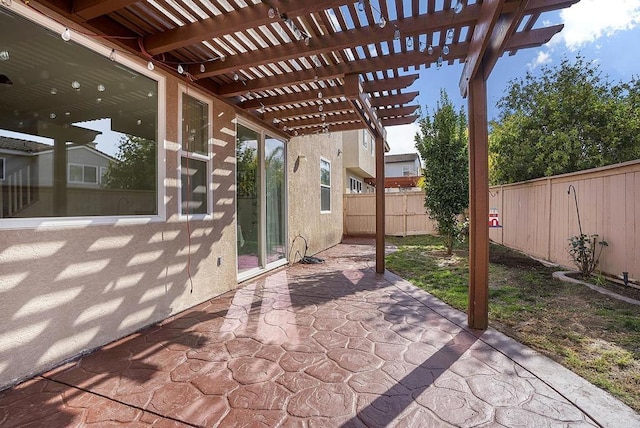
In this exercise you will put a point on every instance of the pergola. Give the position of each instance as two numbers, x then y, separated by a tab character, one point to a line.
314	66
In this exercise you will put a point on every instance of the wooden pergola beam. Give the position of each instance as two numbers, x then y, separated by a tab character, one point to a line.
438	21
231	22
401	120
393	100
489	16
532	38
90	9
306	110
384	113
295	98
317	120
389	84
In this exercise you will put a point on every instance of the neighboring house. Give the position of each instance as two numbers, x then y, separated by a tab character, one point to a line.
27	179
359	161
402	172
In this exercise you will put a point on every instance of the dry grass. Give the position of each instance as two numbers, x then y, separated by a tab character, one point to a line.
594	335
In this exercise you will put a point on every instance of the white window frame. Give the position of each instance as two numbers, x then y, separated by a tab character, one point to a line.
140	68
365	139
83	180
407	171
327	161
358	185
262	136
208	158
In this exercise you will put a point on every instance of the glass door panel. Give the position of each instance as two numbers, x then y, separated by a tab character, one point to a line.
248	199
275	199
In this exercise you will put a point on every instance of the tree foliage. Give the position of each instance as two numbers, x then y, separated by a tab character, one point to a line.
135	165
569	118
442	144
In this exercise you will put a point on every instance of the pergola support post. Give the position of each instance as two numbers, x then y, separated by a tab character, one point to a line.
478	314
380	209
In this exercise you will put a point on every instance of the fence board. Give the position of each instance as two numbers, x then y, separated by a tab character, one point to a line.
539	216
405	214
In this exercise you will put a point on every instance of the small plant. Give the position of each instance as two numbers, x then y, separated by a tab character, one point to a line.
585	251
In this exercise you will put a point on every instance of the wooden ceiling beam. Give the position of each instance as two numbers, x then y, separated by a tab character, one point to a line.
90	9
540	6
438	21
231	22
332	128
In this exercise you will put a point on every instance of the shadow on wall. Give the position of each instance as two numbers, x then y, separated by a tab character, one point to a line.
66	291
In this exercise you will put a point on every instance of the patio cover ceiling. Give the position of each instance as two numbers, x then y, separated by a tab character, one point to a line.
311	66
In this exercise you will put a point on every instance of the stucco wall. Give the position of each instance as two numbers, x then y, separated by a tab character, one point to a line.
322	230
65	290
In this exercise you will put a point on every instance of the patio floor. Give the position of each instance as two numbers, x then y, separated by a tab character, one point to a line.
324	345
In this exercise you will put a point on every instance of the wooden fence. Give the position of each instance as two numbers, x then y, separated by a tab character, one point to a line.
536	217
539	216
405	214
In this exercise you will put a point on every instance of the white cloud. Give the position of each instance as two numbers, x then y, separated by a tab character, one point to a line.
542	58
588	20
401	138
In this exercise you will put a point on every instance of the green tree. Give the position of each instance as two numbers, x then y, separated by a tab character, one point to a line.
567	119
135	165
442	144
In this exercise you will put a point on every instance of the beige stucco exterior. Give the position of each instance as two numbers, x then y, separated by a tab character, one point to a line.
69	287
321	230
359	159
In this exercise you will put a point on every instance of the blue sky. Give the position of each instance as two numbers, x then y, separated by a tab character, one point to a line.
604	31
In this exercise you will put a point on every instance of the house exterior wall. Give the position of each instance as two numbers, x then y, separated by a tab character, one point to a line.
395	169
68	289
69	285
321	230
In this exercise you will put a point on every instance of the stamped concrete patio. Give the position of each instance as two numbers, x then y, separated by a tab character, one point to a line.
330	345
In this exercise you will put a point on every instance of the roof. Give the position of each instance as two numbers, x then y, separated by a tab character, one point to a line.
310	66
406	157
27	146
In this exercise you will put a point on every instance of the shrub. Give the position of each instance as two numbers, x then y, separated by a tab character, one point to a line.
585	251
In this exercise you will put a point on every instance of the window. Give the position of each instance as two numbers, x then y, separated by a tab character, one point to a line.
365	139
85	174
1	168
97	123
325	185
196	159
407	171
355	185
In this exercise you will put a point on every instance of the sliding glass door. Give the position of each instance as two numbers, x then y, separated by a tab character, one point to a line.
261	201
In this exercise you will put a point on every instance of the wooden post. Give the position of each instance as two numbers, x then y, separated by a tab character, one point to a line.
380	211
478	204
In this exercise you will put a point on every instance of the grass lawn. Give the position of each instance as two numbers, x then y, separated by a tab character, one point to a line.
594	335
